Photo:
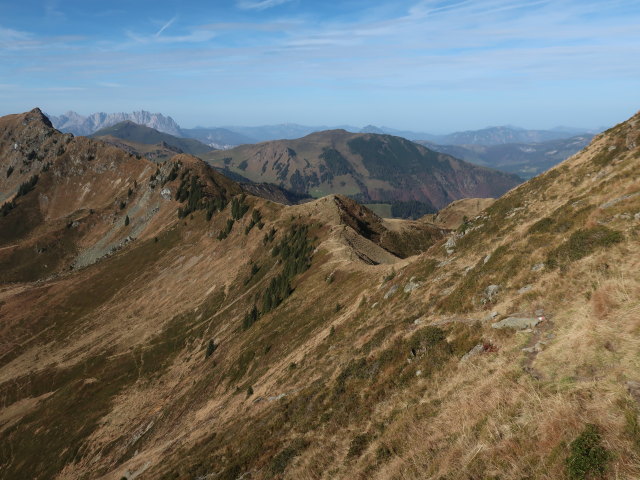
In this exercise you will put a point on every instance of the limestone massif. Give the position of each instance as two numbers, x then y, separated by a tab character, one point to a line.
158	322
77	124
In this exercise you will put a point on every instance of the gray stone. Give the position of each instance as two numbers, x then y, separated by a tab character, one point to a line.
411	286
491	291
538	347
490	316
611	203
447	291
537	267
450	245
477	350
166	193
526	330
451	242
391	291
539	312
487	258
517	323
525	289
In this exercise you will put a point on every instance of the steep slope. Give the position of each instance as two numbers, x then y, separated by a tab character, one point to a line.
73	200
139	134
370	168
72	122
225	350
524	159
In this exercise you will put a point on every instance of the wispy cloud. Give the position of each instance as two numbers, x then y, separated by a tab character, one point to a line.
259	4
52	10
446	48
13	39
165	26
110	85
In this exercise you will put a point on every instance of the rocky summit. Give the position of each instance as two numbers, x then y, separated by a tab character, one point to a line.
157	321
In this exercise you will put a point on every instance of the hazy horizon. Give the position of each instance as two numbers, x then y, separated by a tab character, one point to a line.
427	66
334	125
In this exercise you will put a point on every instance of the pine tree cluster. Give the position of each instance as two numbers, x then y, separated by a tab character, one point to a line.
27	186
7	207
192	191
294	251
256	219
268	237
239	207
225	233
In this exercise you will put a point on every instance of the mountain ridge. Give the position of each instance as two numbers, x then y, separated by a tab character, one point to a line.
134	132
227	136
72	122
369	167
272	341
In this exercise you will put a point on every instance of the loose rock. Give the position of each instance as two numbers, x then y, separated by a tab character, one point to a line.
411	286
477	350
391	291
517	323
490	316
491	292
525	289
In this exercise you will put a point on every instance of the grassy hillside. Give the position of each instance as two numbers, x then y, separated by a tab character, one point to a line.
256	340
367	167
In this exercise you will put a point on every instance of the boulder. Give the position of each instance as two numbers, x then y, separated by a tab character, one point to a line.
538	347
517	323
477	350
491	292
490	316
411	286
525	289
391	291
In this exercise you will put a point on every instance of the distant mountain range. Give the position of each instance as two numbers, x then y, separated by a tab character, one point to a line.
229	136
524	159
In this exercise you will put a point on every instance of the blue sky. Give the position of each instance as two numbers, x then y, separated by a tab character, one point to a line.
435	66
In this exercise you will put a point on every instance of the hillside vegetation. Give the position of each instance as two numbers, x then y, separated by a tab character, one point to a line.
227	337
369	168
